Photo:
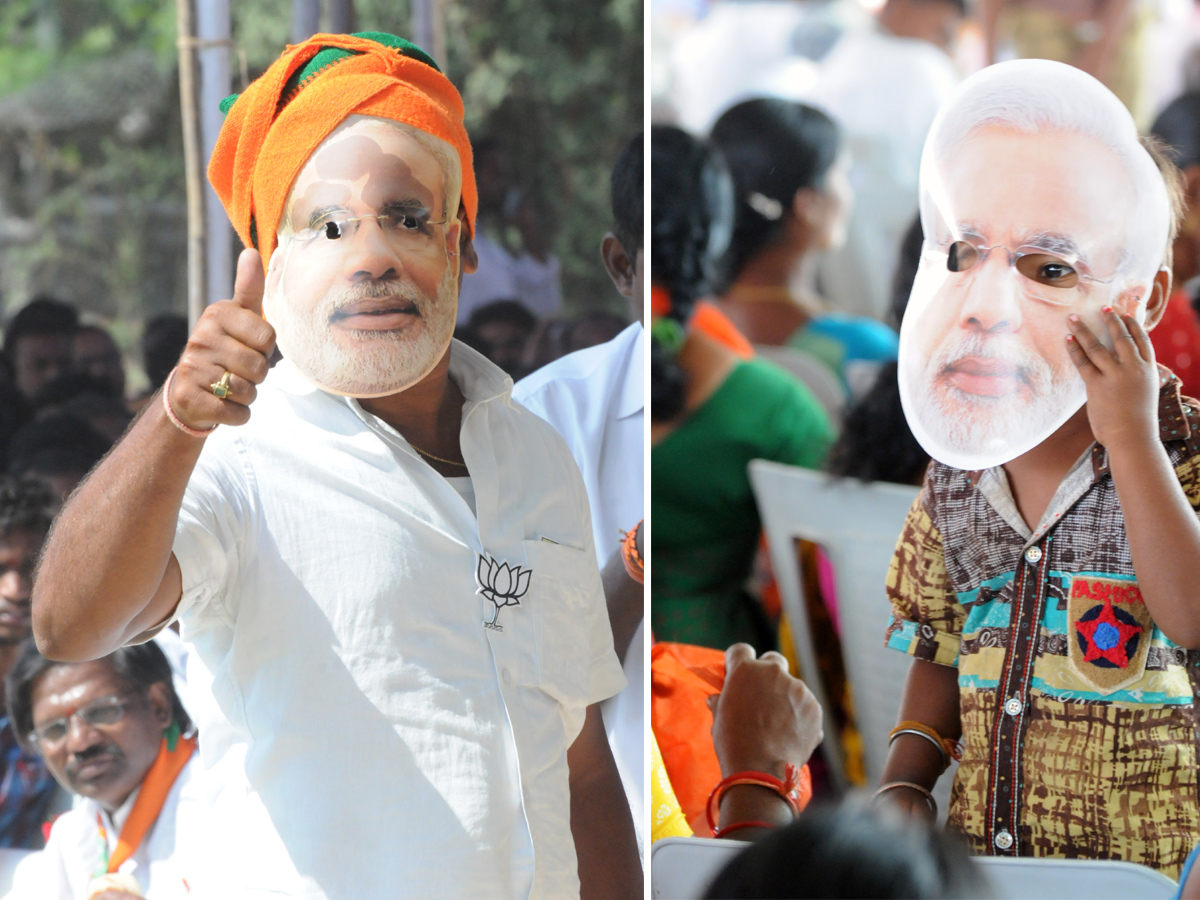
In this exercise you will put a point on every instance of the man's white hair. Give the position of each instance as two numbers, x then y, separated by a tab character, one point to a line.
1036	95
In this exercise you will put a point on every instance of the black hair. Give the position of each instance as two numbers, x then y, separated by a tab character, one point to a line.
850	851
876	443
163	340
510	312
139	666
25	503
42	315
56	445
906	271
1178	126
625	192
691	216
774	148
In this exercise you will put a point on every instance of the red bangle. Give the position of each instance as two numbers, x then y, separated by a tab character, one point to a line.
175	420
634	565
721	832
788	789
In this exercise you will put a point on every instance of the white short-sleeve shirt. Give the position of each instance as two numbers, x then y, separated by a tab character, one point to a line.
366	735
594	399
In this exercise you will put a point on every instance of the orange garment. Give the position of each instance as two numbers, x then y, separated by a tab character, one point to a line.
682	677
262	147
709	320
152	794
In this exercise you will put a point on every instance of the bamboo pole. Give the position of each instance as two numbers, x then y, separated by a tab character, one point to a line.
193	164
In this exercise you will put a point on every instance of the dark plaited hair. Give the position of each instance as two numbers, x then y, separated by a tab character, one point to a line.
139	667
774	148
25	503
625	191
691	218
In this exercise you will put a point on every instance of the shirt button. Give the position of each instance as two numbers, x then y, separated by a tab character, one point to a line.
1032	555
1013	706
507	676
1003	841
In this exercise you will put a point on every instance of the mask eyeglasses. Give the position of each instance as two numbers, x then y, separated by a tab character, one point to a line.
105	711
406	229
1050	276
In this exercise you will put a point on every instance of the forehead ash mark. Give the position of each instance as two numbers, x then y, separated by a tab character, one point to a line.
348	161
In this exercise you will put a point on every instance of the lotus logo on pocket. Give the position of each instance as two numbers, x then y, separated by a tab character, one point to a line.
501	583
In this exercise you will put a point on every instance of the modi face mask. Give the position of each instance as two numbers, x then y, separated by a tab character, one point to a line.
362	289
1037	202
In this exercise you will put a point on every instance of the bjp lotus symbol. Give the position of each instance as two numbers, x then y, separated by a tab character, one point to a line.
501	583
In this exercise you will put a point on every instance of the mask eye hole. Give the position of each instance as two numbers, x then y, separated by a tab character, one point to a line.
1048	270
961	256
332	230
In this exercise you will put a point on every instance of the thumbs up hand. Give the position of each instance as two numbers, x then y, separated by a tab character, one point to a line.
231	336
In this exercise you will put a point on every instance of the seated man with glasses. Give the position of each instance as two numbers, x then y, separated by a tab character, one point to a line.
112	731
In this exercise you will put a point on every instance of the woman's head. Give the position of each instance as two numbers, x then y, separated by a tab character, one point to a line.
785	158
691	220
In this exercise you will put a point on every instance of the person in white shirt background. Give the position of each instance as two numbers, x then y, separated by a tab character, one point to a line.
387	578
113	732
594	399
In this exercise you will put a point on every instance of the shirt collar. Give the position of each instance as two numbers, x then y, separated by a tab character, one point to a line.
633	397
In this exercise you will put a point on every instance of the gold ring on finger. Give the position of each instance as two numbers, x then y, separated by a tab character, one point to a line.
221	388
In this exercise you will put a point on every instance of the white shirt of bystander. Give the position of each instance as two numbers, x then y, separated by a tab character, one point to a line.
161	865
594	399
367	736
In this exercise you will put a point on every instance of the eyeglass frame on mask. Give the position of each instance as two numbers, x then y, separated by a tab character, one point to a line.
322	218
1026	251
36	738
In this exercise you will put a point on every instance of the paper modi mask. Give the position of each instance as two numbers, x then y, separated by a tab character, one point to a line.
362	289
1037	201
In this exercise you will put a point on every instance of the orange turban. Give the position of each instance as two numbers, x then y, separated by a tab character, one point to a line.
275	125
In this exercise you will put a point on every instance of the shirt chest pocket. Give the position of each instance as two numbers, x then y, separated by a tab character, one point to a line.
558	618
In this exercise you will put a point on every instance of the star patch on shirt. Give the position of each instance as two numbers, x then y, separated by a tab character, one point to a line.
502	584
1110	629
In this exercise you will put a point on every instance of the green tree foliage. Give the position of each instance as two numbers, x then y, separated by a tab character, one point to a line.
92	199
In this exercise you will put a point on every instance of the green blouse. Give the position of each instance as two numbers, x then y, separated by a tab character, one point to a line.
704	518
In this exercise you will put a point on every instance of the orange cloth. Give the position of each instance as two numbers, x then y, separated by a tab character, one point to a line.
151	796
709	320
262	148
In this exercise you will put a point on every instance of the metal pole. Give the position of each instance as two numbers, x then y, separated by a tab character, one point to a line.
306	19
192	153
341	16
429	29
212	24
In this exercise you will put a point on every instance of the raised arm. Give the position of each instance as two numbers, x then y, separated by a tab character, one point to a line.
107	573
1160	523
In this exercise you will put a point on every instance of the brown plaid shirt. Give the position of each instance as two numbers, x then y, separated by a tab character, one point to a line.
1079	717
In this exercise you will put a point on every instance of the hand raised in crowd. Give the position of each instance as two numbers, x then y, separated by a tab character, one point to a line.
763	718
1122	383
231	336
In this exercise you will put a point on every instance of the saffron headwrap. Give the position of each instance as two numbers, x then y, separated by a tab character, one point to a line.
273	127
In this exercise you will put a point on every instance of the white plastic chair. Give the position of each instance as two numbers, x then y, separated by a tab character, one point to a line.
858	525
1062	879
683	868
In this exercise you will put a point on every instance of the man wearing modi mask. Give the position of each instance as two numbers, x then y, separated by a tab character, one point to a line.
1045	577
386	574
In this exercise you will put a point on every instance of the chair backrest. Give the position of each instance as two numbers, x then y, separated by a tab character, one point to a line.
683	868
858	525
9	858
810	372
1055	879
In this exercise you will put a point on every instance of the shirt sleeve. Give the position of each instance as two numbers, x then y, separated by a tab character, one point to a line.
805	432
927	619
210	535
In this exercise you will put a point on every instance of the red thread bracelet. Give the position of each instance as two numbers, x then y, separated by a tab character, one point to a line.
721	832
788	789
175	420
635	566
